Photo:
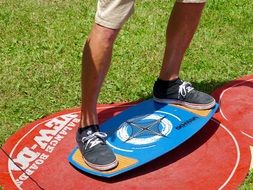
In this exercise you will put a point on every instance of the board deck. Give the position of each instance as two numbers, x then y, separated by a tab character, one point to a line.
145	132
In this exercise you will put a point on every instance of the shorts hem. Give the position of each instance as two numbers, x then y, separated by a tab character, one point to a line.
107	24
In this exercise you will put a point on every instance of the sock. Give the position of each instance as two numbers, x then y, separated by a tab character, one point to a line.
88	130
168	83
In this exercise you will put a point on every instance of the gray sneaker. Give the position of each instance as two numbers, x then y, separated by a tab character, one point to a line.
96	153
181	93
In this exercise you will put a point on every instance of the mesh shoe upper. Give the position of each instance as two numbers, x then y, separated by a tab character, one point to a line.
95	151
181	92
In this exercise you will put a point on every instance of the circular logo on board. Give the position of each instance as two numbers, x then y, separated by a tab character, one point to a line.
145	129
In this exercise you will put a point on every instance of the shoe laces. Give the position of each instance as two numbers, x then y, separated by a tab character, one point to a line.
184	89
94	139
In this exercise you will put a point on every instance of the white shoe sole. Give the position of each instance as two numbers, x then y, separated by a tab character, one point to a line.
186	104
102	167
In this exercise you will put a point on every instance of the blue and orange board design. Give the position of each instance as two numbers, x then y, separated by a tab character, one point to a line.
145	132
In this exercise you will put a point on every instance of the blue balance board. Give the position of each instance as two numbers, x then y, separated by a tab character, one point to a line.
145	132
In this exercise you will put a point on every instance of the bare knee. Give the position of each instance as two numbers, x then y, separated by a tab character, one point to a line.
105	36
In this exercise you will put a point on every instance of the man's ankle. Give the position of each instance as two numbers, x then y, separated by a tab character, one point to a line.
88	130
167	83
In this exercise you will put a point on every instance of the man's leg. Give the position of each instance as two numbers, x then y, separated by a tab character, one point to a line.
181	27
96	60
97	54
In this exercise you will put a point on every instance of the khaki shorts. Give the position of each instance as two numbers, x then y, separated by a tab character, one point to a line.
114	13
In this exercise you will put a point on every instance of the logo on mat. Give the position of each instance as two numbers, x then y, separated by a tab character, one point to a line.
143	130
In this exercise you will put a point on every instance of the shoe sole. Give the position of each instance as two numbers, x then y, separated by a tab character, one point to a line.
102	167
186	104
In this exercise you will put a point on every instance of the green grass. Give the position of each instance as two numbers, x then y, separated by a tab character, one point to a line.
248	184
41	43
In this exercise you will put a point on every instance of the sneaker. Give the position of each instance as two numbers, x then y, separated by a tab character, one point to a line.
96	153
182	93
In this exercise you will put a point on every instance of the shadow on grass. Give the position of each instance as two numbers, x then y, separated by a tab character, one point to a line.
208	87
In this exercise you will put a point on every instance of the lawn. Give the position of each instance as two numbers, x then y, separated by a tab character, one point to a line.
41	43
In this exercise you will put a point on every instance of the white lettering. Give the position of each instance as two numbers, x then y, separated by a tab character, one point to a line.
31	169
39	162
29	172
71	124
76	120
49	149
33	166
63	132
56	122
45	138
44	156
23	177
53	142
24	157
18	182
67	128
58	137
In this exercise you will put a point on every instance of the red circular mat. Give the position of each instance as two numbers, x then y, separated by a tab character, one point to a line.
217	157
236	104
